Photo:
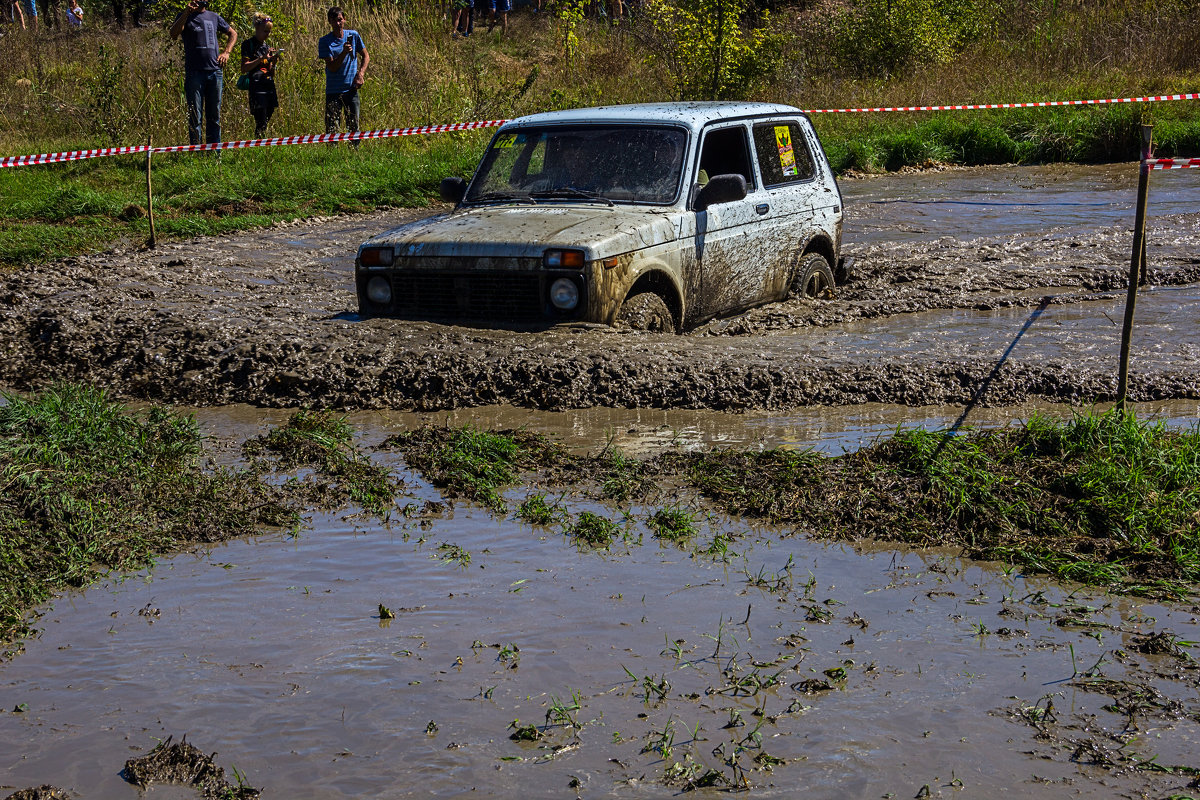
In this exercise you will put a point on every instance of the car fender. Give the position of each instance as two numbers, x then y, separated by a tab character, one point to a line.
615	279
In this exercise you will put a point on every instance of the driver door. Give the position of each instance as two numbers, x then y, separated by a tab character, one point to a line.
732	260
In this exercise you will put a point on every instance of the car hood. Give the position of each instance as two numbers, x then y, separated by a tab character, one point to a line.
527	230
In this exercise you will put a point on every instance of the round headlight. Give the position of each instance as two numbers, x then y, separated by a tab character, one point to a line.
379	290
564	294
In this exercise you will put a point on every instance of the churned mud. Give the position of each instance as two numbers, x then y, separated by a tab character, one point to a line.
184	763
992	286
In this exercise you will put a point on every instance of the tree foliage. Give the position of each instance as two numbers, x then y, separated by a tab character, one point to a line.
710	48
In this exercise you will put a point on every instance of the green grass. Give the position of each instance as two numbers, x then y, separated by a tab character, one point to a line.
592	530
55	211
325	442
673	525
89	487
478	464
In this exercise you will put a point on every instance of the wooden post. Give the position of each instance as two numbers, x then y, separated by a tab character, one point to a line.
150	193
1136	265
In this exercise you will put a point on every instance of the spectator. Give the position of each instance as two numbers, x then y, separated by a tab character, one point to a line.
203	63
464	18
258	61
346	61
33	13
501	8
74	15
16	14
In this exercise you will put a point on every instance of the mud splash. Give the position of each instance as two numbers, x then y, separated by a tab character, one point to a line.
267	318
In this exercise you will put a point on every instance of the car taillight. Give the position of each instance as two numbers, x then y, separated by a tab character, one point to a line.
564	259
375	256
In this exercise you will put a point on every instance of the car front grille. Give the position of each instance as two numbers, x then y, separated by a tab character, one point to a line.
494	296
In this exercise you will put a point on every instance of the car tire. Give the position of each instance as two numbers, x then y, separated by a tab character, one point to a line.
814	278
646	311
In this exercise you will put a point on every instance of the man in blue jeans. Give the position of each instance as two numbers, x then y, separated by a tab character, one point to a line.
346	60
203	64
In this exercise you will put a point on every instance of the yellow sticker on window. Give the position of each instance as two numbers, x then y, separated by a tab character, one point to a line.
507	140
787	157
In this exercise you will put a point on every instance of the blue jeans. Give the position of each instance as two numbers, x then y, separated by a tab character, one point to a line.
203	92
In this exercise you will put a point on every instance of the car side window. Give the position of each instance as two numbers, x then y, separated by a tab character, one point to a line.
725	151
783	155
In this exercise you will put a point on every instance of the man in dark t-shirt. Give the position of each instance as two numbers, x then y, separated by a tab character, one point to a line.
203	64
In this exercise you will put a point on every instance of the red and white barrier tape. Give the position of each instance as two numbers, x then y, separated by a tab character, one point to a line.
77	155
982	106
1172	163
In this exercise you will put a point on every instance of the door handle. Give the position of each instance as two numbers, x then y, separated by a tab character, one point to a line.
762	208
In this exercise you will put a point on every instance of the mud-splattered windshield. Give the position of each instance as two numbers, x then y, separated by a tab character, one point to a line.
605	163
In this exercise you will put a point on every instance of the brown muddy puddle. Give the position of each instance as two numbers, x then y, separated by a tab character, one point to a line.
271	652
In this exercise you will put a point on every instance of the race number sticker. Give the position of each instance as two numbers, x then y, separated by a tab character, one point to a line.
787	157
508	140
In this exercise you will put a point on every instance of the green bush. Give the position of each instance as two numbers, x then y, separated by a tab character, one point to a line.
886	37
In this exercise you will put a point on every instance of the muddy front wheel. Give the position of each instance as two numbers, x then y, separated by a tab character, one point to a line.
814	278
646	311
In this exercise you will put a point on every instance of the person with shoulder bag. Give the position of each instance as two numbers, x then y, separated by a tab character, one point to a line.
258	74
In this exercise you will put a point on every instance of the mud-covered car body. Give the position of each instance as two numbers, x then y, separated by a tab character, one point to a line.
710	208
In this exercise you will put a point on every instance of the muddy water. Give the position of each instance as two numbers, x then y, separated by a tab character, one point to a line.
951	266
271	653
968	203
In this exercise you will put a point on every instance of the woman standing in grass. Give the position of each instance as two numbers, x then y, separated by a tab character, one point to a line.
258	61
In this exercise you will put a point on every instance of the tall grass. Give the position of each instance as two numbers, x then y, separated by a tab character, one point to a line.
102	85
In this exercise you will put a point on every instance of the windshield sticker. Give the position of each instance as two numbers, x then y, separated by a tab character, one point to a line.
506	141
787	158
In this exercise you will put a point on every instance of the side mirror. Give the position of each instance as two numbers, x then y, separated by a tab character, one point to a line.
453	190
721	189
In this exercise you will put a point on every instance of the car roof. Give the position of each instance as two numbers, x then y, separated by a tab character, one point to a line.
694	115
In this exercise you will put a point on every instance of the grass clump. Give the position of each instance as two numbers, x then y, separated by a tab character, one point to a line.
325	442
536	510
673	525
475	464
593	530
88	487
1102	498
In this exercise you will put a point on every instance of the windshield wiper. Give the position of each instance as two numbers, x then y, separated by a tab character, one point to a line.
571	191
503	197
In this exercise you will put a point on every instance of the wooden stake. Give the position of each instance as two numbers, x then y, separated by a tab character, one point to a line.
1136	266
150	193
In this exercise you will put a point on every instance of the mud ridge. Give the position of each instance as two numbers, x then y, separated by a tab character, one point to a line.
268	318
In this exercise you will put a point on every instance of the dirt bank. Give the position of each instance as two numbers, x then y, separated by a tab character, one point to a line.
267	318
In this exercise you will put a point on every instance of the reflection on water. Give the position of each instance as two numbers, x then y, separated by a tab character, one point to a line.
1002	201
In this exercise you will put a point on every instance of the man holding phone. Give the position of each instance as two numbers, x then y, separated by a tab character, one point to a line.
203	64
346	60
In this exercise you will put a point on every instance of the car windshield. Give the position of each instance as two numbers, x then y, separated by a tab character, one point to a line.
603	163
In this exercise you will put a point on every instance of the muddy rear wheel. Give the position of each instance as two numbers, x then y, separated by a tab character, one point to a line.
646	311
814	278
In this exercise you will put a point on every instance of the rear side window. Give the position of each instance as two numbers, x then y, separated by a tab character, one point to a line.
783	154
